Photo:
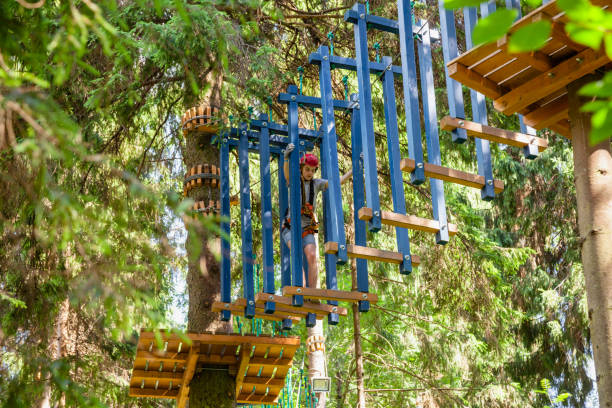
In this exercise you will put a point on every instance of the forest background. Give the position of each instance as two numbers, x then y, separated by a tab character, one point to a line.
92	243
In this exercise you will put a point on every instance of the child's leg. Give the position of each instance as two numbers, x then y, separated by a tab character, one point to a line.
310	250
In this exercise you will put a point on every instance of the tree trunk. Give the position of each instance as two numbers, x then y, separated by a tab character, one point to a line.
210	388
361	402
316	358
593	177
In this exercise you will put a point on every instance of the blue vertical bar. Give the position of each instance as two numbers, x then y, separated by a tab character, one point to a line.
267	236
530	151
283	203
397	181
226	260
359	202
479	111
331	280
295	199
454	92
411	92
431	133
248	285
366	117
330	141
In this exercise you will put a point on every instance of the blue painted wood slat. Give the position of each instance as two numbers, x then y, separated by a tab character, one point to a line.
285	259
226	259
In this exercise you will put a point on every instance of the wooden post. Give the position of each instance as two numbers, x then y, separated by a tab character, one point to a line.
361	402
593	178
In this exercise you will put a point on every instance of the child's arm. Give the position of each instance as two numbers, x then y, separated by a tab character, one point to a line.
288	151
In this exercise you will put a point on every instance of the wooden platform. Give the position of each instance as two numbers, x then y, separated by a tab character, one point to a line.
237	309
202	118
406	221
286	304
532	84
371	254
452	175
493	134
328	294
259	362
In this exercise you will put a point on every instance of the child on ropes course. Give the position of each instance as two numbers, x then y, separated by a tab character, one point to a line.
310	187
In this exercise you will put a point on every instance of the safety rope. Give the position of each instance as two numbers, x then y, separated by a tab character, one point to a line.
300	70
330	37
346	87
377	48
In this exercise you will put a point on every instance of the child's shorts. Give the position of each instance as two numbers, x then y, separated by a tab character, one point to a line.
308	239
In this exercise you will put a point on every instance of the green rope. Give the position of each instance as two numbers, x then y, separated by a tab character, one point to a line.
250	111
330	37
377	48
367	7
269	108
346	87
301	72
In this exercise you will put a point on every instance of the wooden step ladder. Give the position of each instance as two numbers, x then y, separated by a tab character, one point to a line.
452	175
406	221
371	254
287	305
237	309
328	294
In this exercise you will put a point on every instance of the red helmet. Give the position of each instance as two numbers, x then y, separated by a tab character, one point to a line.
309	159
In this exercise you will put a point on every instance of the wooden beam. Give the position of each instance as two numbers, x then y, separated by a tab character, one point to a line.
217	359
153	393
140	374
547	115
273	382
190	366
406	221
328	294
245	354
562	127
535	59
372	254
462	74
452	175
271	361
163	357
493	134
260	307
247	397
558	33
548	82
239	311
307	307
224	339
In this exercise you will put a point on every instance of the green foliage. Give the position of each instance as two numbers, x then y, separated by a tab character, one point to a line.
530	37
493	26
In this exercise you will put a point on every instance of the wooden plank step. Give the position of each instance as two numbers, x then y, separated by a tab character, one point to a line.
272	382
406	221
452	175
371	254
493	134
328	294
307	307
153	393
234	339
260	307
239	311
247	397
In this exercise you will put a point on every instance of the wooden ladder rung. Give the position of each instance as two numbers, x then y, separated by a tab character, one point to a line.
328	294
493	134
280	309
238	310
452	175
406	221
371	254
307	307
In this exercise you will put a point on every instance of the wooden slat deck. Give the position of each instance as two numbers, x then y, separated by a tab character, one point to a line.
452	175
406	221
261	364
371	254
237	309
524	83
328	294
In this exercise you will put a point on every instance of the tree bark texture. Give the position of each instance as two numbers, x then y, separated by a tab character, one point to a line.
357	340
209	388
593	178
316	358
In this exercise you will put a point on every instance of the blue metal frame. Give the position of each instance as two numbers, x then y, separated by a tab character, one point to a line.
365	114
311	101
396	179
479	110
450	51
267	237
381	23
411	92
330	141
285	261
431	134
226	260
350	64
248	285
359	202
295	199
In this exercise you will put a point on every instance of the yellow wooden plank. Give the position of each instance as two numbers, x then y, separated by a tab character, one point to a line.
493	134
245	354
462	74
548	82
328	294
164	357
452	175
270	361
371	254
153	393
192	361
280	309
239	311
247	398
549	114
535	59
272	382
223	339
140	374
307	307
406	221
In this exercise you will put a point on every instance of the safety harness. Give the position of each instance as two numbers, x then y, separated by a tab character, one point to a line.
307	210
